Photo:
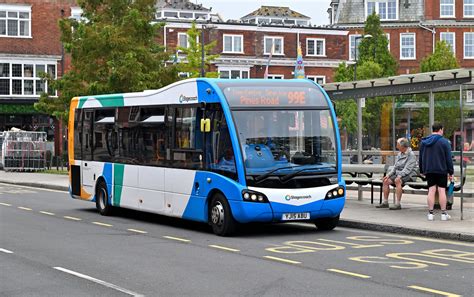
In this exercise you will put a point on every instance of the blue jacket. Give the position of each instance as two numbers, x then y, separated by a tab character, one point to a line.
435	155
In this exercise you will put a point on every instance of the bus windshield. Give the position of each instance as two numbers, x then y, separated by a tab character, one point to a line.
286	143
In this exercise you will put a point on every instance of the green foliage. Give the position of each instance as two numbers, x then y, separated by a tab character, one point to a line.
376	48
442	59
369	69
194	54
113	51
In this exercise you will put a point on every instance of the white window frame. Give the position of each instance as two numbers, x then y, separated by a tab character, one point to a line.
181	35
464	9
315	40
414	46
315	78
464	46
272	38
233	43
454	39
351	55
18	9
33	78
453	5
276	76
230	69
388	39
377	8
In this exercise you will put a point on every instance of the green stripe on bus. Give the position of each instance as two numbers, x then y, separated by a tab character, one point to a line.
118	183
104	100
82	100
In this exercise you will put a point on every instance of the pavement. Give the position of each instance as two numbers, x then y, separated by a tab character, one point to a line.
360	214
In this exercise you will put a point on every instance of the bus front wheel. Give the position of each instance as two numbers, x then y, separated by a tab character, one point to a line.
326	223
220	216
102	199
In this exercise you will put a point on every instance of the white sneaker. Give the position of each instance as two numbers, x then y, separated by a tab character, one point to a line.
445	217
430	217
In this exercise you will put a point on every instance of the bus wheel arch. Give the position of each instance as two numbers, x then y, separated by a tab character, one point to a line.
102	202
220	215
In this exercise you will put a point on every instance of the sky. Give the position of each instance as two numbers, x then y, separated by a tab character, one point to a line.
235	9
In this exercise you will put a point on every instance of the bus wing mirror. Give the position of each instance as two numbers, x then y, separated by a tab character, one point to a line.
205	125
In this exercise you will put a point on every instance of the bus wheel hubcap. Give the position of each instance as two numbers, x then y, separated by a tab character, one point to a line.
217	214
102	198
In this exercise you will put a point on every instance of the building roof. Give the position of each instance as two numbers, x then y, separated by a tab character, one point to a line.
179	5
276	11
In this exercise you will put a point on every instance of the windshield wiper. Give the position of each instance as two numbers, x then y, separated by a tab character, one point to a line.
289	176
264	176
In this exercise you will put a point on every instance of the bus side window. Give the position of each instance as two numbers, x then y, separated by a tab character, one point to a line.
87	130
104	124
187	150
153	131
78	134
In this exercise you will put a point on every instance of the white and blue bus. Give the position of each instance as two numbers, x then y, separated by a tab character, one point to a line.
211	150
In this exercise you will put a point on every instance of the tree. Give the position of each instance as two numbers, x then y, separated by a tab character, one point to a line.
193	53
446	104
113	50
376	48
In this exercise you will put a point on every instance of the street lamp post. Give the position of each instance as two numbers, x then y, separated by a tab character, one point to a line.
203	54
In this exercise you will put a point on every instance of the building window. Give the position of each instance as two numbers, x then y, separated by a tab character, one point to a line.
15	21
407	46
76	13
233	44
386	9
450	39
273	42
469	8
316	47
24	79
319	79
276	76
388	40
468	45
234	73
183	40
352	43
446	9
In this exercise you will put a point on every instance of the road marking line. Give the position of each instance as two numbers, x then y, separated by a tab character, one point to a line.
24	208
177	238
5	251
224	248
349	273
98	281
282	260
5	204
434	291
72	218
137	231
47	213
102	224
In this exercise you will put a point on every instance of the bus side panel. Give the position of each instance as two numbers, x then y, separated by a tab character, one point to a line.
125	185
151	181
179	184
243	212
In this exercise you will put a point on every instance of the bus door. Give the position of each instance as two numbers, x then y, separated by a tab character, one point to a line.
86	168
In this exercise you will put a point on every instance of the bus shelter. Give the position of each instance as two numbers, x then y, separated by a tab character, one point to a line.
449	92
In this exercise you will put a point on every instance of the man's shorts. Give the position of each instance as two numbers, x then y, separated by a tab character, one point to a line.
404	179
435	179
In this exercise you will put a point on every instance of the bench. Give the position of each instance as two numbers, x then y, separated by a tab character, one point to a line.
363	174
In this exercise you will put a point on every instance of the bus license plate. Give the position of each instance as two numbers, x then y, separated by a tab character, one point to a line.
295	216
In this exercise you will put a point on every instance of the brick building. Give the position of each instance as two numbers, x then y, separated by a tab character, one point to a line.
412	27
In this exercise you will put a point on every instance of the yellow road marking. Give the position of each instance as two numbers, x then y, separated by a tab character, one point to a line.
47	213
24	208
5	204
102	224
137	231
177	238
72	218
434	291
224	248
349	273
282	260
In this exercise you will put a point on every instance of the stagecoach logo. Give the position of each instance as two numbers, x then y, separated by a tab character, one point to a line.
183	98
294	197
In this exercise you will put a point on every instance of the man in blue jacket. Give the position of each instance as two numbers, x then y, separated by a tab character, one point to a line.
436	164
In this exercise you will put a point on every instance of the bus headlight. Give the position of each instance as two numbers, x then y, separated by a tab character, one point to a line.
252	196
335	193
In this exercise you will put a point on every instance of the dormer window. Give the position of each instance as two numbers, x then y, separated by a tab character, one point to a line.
386	9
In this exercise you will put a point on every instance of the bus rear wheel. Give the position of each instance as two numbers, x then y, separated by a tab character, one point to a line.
326	223
102	199
220	216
